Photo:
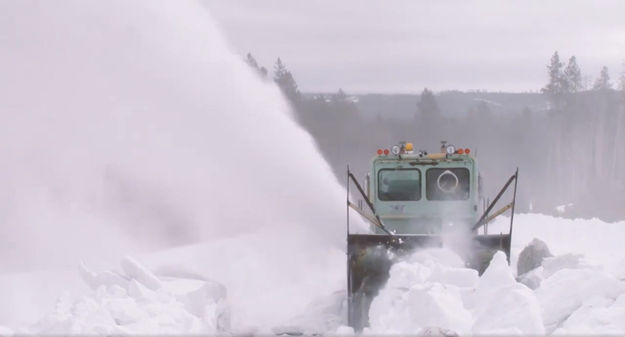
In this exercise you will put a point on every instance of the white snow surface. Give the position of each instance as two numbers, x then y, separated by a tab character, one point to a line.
428	292
417	298
137	302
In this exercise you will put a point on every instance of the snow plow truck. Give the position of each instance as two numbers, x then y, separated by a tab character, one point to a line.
412	200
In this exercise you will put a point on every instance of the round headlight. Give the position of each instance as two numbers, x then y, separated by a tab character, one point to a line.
451	149
395	149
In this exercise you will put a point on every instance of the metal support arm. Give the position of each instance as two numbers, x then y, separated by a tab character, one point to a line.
379	223
485	218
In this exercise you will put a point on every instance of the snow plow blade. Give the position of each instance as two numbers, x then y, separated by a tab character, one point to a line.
371	256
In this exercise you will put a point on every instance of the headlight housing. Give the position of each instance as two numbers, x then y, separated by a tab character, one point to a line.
451	149
395	150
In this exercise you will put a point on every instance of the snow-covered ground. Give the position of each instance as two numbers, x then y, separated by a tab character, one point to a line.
598	241
579	290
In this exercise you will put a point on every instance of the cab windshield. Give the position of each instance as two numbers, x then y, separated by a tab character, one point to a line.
399	184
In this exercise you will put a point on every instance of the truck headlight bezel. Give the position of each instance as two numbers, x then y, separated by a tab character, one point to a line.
450	149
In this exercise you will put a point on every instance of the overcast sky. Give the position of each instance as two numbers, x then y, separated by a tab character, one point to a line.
403	46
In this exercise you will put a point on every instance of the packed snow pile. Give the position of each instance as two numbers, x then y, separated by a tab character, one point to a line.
433	290
136	301
572	288
501	305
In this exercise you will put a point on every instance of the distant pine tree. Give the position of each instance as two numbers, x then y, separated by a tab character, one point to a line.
343	107
482	111
283	77
572	76
621	80
340	96
427	107
557	82
251	61
603	82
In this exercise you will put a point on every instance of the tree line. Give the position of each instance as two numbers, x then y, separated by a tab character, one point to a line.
568	152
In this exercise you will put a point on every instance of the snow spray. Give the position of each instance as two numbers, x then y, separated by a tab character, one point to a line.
129	126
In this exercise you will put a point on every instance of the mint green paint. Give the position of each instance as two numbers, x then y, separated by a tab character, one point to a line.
425	216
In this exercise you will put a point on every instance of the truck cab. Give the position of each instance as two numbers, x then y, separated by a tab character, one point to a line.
414	192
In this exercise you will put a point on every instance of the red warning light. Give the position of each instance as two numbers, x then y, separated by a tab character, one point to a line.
460	151
380	152
467	151
386	152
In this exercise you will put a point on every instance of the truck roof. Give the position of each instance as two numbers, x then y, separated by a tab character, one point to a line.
420	159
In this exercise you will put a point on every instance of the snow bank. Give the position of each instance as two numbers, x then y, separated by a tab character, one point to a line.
572	295
431	290
428	293
422	292
567	290
599	242
597	315
138	302
421	306
502	305
577	294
